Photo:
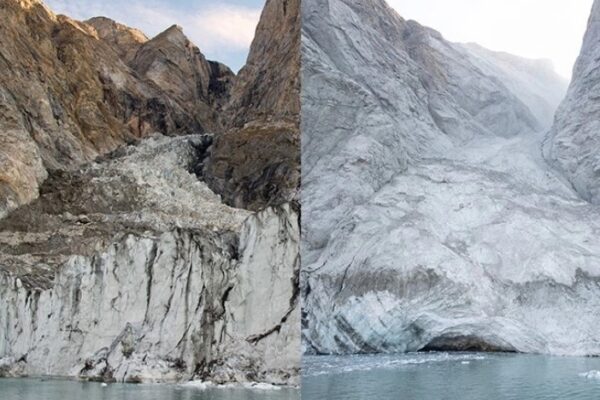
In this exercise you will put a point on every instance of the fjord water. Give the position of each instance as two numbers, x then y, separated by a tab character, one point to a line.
450	376
40	389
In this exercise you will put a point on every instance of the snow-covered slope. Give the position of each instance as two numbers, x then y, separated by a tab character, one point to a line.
379	91
449	230
534	82
573	145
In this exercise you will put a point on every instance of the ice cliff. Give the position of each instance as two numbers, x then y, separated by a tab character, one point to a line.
431	220
132	270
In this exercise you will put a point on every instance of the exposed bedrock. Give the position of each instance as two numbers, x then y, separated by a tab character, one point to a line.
255	163
71	91
573	144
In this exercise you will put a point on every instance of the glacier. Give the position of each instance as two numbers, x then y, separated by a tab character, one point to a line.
431	217
132	270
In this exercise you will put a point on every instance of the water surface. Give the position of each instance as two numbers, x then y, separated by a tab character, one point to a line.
455	376
43	389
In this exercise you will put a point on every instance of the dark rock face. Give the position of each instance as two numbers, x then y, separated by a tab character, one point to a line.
256	161
268	87
178	67
256	166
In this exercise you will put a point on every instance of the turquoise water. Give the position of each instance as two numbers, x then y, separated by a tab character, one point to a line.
41	389
456	376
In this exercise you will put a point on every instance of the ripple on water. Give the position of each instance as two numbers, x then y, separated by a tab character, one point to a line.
451	376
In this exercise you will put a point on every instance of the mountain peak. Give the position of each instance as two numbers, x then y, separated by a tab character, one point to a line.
264	92
123	39
175	28
26	4
174	34
106	26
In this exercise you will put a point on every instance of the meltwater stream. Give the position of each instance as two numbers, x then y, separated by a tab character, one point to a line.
451	376
44	389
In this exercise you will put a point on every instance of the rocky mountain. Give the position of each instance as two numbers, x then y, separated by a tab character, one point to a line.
84	97
119	259
178	67
572	145
269	84
263	118
124	40
430	219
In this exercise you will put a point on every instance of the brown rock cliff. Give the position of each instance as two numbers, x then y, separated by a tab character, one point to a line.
67	93
256	162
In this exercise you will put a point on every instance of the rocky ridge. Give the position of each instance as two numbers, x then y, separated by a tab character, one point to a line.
263	118
572	145
84	97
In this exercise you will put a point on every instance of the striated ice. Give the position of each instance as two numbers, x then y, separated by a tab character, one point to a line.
135	271
431	219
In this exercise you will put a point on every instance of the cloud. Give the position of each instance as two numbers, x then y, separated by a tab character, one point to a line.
211	28
228	25
222	31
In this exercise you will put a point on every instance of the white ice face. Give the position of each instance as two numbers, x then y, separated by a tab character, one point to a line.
430	217
177	281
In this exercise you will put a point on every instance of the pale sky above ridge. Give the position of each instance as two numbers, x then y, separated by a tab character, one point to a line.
222	29
550	29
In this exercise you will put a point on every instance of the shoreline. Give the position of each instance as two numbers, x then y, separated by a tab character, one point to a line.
192	384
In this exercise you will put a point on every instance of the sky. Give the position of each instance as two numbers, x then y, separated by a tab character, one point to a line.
222	29
550	29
